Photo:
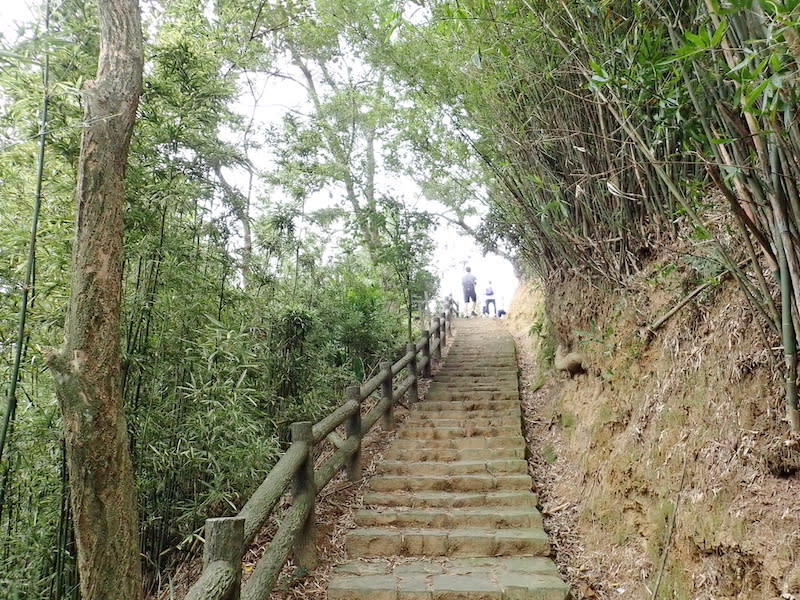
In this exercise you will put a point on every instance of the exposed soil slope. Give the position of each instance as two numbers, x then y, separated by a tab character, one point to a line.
668	464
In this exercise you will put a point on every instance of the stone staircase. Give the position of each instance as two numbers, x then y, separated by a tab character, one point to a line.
451	516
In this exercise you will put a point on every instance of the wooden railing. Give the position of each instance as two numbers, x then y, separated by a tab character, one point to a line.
226	539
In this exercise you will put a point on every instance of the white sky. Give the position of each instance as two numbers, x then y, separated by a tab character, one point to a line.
453	252
14	11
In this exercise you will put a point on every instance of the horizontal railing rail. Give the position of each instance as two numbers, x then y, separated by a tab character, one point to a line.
228	538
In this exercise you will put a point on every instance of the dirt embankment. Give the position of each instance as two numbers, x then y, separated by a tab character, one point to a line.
667	466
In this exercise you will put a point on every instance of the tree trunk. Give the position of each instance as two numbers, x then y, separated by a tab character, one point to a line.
87	371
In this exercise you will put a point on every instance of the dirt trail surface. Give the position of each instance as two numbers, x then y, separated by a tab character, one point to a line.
666	470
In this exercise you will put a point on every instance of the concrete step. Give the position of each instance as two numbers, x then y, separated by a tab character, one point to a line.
450	483
518	498
475	414
369	542
506	358
473	387
459	419
449	468
488	373
451	516
495	517
489	350
445	393
449	433
468	404
494	578
469	370
459	358
417	454
514	441
481	379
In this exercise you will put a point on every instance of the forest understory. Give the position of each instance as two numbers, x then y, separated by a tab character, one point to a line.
667	469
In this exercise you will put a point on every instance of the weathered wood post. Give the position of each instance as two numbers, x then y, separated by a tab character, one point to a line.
413	391
387	421
448	316
303	491
445	323
353	428
426	353
437	353
224	541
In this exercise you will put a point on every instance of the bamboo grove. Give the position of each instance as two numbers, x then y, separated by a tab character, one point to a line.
609	129
595	134
239	315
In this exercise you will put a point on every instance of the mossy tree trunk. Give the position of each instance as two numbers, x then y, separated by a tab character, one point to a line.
87	370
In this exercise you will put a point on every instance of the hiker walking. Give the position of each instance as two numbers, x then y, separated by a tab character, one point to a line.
470	298
490	300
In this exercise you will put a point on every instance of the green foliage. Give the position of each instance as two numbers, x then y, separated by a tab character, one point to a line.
549	454
406	249
567	420
216	362
546	347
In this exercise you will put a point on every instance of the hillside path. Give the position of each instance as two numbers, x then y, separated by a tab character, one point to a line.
451	514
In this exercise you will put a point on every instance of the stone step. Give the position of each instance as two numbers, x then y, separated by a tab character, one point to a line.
488	350
449	433
519	498
369	542
458	419
506	357
418	454
480	387
454	410
470	370
447	393
467	405
461	443
450	483
468	387
495	517
451	516
495	578
504	354
484	372
482	379
463	467
478	368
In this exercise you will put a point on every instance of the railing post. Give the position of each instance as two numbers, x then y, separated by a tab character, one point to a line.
448	319
387	421
437	353
413	391
445	322
353	428
426	353
224	541
303	490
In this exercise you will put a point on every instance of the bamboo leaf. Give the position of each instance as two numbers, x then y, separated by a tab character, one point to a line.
750	99
719	34
743	64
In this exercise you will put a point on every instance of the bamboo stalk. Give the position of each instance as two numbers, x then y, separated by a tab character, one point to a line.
30	265
670	530
789	343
